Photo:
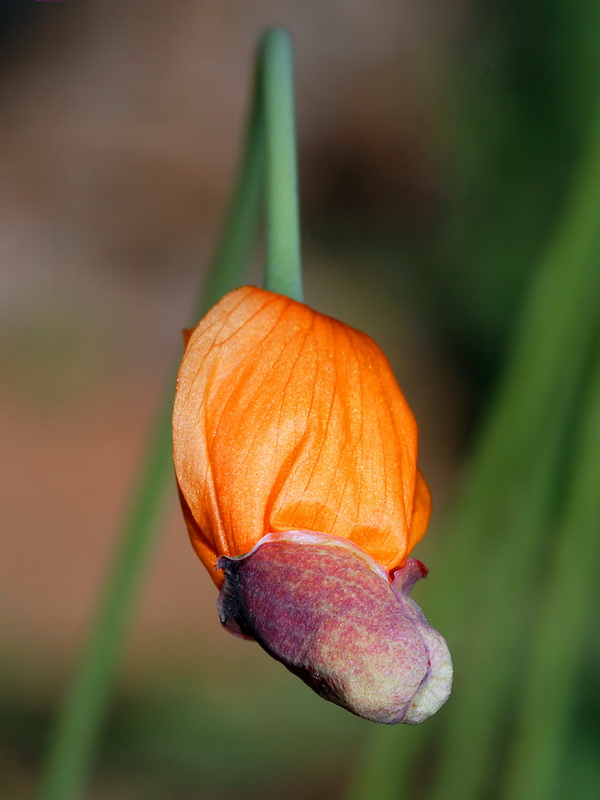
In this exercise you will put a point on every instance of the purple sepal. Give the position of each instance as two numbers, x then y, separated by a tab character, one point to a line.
325	609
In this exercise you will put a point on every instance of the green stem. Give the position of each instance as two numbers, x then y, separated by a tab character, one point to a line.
547	366
283	269
80	722
556	328
487	675
555	331
560	312
568	614
82	716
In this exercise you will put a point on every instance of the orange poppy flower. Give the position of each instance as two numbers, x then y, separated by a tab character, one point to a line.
296	454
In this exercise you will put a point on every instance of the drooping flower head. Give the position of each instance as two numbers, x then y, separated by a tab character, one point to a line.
296	458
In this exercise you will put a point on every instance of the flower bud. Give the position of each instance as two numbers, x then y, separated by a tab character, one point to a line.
296	458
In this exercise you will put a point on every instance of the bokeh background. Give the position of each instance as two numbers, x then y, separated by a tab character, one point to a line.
437	143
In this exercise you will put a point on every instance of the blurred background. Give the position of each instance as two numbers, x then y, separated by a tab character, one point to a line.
437	143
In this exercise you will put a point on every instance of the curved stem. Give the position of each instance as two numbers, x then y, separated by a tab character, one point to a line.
283	269
80	721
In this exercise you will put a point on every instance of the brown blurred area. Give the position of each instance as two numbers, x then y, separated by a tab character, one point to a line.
121	129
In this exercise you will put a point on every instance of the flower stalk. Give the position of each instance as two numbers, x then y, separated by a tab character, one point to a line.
283	267
79	724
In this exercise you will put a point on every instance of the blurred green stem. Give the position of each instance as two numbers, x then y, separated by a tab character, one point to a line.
559	315
543	378
283	272
487	677
568	614
555	329
80	722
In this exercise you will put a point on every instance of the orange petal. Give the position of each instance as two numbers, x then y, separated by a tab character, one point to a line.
421	511
286	419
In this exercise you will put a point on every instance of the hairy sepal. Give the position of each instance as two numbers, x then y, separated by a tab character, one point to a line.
329	612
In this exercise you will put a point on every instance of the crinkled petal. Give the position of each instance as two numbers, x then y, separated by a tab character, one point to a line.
286	419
